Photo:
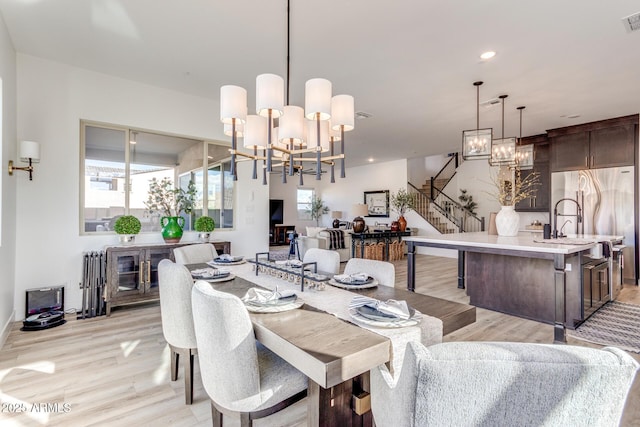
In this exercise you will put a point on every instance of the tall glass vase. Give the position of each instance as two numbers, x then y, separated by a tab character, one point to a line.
507	221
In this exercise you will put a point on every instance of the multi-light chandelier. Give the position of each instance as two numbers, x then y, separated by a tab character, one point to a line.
301	136
524	152
503	150
476	142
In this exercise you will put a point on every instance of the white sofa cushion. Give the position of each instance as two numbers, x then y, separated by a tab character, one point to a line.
313	231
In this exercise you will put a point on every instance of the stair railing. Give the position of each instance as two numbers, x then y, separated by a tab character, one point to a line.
450	168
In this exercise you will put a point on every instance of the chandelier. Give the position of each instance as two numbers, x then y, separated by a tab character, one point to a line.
476	142
503	150
301	136
524	153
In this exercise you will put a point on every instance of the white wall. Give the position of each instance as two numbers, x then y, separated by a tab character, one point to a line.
288	194
7	183
53	99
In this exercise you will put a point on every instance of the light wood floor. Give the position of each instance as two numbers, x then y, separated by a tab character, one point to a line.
115	371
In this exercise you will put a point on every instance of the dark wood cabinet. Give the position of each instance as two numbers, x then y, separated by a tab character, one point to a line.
541	201
603	144
132	271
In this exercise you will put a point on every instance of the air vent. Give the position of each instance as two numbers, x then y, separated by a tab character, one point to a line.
632	22
363	115
489	103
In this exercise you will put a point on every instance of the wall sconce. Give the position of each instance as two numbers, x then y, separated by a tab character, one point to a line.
29	153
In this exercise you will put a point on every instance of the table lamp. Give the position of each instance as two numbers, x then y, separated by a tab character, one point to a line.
336	215
359	210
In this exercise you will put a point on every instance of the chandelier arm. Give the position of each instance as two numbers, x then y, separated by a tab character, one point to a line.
318	148
342	172
269	151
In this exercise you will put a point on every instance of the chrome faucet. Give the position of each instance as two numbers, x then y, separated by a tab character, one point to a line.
561	234
578	216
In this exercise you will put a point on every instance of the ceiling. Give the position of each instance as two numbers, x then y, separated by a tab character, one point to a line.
410	64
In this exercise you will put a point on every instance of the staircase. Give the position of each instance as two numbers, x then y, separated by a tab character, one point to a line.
431	212
438	183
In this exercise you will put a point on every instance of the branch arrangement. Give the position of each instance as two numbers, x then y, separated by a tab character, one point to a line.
513	188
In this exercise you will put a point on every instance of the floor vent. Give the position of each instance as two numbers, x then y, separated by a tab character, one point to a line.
632	22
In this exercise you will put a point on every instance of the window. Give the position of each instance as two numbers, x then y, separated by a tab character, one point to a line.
118	164
304	199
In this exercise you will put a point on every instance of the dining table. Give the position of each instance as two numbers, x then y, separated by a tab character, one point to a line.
323	340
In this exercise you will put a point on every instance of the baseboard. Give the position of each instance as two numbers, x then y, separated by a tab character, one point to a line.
6	329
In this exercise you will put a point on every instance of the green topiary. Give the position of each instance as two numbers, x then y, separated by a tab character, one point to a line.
127	224
205	224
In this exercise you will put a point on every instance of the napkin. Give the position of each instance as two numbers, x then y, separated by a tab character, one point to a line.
351	278
209	272
265	297
392	307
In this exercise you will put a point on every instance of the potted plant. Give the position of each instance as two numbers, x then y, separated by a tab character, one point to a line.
127	226
204	225
317	209
511	188
402	202
170	202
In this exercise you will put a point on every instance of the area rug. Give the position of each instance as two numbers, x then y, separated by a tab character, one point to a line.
616	324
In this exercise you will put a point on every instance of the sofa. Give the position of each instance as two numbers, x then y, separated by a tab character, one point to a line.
318	237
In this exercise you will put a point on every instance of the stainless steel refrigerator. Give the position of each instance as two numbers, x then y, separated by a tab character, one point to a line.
607	200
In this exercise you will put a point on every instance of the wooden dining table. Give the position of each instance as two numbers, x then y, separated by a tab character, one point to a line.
336	355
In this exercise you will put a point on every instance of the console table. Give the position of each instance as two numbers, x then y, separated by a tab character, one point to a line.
386	237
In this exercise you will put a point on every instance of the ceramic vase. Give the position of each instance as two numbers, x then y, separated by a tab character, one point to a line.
172	228
507	221
402	223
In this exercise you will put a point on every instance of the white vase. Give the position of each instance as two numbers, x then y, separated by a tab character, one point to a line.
507	221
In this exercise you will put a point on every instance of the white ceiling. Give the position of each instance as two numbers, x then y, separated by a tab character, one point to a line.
409	63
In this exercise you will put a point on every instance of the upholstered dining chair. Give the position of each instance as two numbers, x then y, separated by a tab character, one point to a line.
239	374
195	254
384	272
175	283
503	384
328	261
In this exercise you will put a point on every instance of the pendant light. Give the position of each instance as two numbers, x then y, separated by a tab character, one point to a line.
503	150
476	143
524	153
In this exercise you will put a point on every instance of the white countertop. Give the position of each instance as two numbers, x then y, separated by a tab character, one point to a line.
524	241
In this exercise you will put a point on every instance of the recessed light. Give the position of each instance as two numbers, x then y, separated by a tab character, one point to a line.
370	159
488	55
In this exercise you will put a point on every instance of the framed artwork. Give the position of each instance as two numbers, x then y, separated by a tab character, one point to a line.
377	203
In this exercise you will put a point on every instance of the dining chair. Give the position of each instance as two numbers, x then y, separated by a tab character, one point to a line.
239	374
384	272
195	254
328	261
175	283
503	384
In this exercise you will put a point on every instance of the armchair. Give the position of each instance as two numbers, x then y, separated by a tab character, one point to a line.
503	384
319	238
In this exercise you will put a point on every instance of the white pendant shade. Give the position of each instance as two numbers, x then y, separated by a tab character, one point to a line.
269	95
342	112
317	99
29	150
292	125
233	104
255	132
239	129
334	134
312	134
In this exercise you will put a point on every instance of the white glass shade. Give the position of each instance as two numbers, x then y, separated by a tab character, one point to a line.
233	104
292	125
255	132
269	95
476	144
312	134
334	134
317	99
29	150
342	112
524	156
239	129
503	151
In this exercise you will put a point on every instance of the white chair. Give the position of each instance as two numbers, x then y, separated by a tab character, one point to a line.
195	254
384	272
238	373
175	283
326	260
503	384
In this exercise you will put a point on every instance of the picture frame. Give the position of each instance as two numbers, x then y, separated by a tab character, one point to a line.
377	203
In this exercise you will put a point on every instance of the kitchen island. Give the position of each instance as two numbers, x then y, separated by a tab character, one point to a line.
518	275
